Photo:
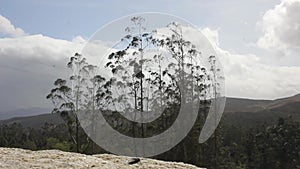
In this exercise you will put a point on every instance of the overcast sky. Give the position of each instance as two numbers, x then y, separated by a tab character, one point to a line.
258	42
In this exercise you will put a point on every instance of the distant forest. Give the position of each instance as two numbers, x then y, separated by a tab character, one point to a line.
273	145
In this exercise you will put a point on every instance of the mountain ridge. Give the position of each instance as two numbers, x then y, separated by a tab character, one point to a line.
253	105
243	108
24	112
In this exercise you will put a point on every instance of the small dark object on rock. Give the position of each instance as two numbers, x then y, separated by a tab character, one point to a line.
134	161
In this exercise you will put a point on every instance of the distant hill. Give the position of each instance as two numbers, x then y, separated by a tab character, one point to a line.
35	121
238	111
247	112
250	105
245	105
24	112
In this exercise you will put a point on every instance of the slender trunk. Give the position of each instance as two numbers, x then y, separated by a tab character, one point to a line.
192	85
160	85
215	134
77	122
148	91
135	99
76	106
77	135
141	67
161	96
183	95
142	104
141	81
93	112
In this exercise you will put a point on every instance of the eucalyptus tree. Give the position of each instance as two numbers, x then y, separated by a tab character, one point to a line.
84	91
185	68
191	78
131	67
154	71
215	92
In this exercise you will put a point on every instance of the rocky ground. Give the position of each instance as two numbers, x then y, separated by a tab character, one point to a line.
14	158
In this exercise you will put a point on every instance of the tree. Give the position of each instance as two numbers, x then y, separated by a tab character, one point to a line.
178	79
82	92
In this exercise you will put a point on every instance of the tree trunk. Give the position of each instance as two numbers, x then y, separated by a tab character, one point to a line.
77	135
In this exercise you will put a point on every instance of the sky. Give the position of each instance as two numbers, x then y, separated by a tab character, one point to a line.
257	42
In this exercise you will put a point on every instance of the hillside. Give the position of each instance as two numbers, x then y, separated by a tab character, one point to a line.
266	123
23	112
245	105
246	112
250	105
35	121
238	111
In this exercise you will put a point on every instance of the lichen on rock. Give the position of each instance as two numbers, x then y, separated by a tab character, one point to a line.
12	158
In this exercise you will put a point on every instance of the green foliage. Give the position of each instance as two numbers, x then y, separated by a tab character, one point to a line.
275	146
54	143
29	145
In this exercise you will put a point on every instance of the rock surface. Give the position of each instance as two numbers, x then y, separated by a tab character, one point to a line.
13	158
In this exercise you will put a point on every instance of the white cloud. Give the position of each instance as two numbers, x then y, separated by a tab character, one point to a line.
37	46
281	27
212	35
7	28
30	64
247	76
79	39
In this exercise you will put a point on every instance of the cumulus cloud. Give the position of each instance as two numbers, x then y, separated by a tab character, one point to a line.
7	28
247	76
281	27
37	46
212	35
31	63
